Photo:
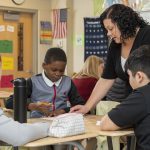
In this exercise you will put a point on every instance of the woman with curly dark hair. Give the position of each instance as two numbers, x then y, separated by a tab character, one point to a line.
127	31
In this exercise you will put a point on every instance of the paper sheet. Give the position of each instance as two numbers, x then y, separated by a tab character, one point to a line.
98	123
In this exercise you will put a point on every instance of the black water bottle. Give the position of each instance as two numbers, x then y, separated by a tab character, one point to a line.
20	100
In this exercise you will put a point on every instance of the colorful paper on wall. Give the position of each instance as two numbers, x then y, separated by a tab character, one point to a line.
10	28
2	28
46	32
98	7
6	46
7	63
79	40
6	81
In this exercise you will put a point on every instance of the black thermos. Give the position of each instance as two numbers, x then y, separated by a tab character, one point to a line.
20	100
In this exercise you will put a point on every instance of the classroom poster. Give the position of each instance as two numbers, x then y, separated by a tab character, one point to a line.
7	63
2	28
6	81
79	40
10	28
46	32
95	40
6	46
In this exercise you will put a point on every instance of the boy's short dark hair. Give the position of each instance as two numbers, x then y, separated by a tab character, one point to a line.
55	54
139	60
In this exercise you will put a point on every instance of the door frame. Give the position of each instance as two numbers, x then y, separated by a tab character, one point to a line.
34	13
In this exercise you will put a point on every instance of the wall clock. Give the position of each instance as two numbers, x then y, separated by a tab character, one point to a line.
18	2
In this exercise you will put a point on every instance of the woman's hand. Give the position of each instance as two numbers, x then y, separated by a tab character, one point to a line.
79	109
99	91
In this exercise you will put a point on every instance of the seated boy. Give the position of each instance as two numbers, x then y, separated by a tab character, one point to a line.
135	109
52	92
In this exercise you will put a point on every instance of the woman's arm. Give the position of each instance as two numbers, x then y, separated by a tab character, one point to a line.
100	90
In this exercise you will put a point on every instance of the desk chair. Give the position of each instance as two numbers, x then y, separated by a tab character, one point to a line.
102	108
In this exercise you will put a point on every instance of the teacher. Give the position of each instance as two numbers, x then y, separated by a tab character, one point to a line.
127	31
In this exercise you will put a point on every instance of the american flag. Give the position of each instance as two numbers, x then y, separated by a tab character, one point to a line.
60	23
96	42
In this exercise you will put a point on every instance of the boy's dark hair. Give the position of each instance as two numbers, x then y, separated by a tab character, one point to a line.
126	18
55	54
139	60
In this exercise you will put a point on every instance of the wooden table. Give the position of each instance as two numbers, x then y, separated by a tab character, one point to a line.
92	130
3	96
90	122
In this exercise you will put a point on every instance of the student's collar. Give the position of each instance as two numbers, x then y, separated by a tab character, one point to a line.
49	82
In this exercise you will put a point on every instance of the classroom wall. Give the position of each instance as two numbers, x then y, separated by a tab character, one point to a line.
78	9
58	4
43	7
81	9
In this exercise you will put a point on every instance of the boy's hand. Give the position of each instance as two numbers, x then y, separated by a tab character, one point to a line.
56	112
47	104
43	107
